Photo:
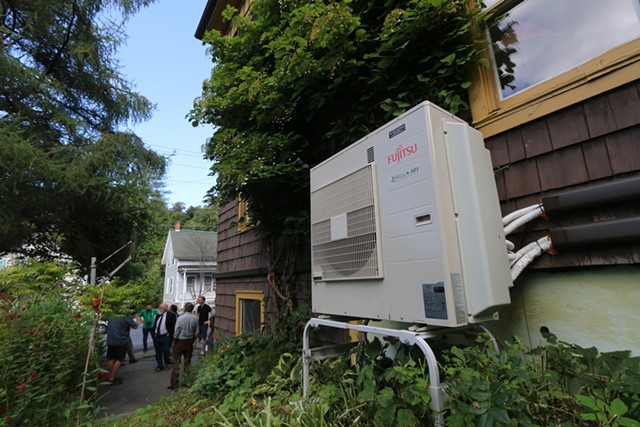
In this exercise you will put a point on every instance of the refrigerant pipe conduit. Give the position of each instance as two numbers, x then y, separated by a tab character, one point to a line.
598	233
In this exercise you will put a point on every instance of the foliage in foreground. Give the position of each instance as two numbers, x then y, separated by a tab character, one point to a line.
42	358
556	384
45	340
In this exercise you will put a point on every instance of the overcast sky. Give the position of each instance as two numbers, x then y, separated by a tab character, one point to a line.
167	65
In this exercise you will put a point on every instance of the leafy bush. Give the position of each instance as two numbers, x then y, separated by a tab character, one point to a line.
248	382
299	80
607	385
238	366
493	388
555	384
45	341
43	353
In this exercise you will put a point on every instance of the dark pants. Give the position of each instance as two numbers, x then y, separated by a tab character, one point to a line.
145	335
130	350
163	350
202	333
181	348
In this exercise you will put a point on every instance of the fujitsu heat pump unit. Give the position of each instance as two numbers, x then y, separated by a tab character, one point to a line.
406	226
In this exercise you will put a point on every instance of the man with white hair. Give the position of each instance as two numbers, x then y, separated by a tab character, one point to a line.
163	329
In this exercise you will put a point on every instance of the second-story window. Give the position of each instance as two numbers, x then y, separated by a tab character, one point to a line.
534	41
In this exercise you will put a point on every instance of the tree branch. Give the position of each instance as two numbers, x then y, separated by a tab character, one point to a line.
67	38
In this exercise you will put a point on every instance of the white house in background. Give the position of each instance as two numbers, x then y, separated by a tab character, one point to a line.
190	263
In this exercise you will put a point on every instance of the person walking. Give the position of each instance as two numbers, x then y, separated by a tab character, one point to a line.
148	315
210	323
174	309
130	353
163	328
204	311
117	337
185	334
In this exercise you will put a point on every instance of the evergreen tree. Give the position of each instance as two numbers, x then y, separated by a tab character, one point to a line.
70	180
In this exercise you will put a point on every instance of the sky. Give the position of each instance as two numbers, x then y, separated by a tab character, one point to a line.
167	64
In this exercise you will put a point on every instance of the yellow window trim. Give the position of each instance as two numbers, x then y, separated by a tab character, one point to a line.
253	295
244	220
492	116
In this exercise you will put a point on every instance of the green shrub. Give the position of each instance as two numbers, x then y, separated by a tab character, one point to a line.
238	366
250	381
495	388
43	353
374	391
555	384
607	385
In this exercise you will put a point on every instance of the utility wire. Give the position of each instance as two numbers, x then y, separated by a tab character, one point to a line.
174	149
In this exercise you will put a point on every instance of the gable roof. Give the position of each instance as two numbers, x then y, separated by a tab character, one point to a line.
191	245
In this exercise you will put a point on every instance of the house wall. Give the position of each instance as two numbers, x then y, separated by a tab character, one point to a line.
590	142
170	271
584	295
587	295
242	266
180	295
589	307
241	256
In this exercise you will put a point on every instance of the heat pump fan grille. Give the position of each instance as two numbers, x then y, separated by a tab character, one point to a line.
354	254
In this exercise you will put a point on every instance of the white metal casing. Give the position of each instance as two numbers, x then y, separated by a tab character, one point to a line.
406	225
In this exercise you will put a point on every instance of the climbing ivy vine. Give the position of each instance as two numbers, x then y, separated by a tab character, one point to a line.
301	80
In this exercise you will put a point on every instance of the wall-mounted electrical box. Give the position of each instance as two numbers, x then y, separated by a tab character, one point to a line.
406	225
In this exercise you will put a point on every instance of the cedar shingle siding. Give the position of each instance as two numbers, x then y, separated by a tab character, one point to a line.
597	140
241	266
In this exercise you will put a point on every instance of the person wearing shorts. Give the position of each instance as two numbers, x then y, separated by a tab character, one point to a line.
117	338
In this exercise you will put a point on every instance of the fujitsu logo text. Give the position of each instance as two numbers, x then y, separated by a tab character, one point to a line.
402	152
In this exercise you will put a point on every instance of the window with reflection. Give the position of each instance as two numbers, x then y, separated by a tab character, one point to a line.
249	311
250	315
533	41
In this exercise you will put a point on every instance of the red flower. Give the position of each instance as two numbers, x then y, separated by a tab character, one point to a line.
3	410
77	316
21	387
33	374
97	301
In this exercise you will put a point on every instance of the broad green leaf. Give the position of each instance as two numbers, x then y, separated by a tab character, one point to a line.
449	59
386	397
617	408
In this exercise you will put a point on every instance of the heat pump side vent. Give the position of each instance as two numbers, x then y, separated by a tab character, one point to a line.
371	155
349	250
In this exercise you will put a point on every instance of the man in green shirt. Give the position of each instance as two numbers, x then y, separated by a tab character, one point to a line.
148	317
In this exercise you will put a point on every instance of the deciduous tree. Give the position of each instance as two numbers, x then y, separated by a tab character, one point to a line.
300	80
